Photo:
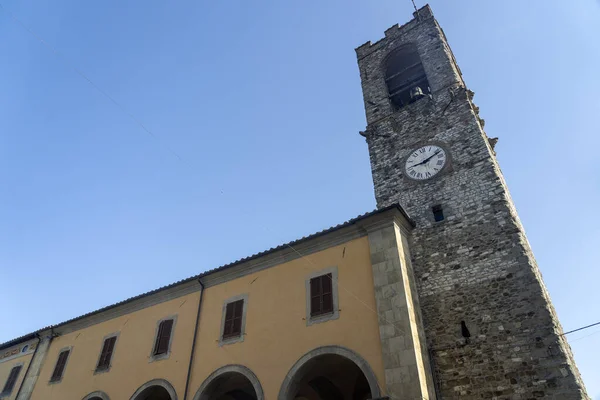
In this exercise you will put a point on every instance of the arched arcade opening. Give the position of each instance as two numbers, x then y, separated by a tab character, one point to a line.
330	373
232	382
158	389
98	395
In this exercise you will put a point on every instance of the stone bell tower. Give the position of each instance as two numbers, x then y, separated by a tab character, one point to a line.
490	327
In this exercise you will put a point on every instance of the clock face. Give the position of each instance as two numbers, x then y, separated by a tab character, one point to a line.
425	162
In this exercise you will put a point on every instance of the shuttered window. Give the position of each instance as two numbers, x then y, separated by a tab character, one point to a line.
321	295
57	374
12	379
106	353
233	319
164	337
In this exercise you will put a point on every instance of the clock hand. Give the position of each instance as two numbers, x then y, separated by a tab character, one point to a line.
433	155
427	159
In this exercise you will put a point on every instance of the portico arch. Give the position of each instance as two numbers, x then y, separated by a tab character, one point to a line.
98	395
332	372
231	382
156	389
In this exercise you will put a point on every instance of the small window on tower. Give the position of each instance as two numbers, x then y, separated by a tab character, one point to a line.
438	213
405	76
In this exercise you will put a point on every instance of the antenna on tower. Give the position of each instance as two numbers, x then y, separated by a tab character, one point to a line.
416	10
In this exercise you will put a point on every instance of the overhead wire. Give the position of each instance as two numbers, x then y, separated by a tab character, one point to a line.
148	131
582	328
584	337
123	109
70	65
349	292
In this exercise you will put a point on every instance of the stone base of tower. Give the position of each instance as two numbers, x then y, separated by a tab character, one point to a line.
515	349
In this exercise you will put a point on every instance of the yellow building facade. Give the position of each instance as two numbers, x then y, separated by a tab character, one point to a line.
311	323
14	361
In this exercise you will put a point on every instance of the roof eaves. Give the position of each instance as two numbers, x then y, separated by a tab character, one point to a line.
218	269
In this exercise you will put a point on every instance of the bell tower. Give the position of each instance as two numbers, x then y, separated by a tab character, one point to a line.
490	327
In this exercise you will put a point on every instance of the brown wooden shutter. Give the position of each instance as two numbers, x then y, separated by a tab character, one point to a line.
233	319
12	379
60	366
106	354
327	294
237	319
321	295
228	327
163	337
315	296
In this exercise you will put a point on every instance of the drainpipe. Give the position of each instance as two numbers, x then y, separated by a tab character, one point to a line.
189	373
37	346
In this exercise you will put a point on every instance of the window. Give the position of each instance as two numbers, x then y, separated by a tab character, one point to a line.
59	368
438	213
106	354
163	338
12	379
405	76
321	295
233	319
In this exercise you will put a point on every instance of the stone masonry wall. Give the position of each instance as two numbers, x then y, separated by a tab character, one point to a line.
475	266
405	357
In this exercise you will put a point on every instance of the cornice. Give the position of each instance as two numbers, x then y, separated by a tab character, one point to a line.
128	308
351	230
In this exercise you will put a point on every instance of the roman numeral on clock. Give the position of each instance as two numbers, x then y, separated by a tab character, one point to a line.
424	158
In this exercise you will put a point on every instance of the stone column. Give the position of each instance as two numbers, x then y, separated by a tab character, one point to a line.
405	357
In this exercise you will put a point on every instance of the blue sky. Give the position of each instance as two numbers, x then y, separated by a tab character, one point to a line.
262	102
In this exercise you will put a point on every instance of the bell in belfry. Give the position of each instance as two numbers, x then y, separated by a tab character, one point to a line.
416	93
